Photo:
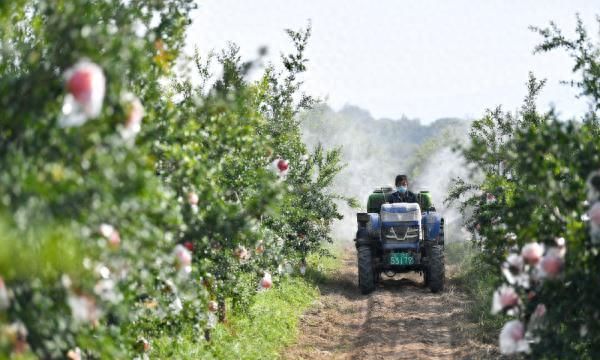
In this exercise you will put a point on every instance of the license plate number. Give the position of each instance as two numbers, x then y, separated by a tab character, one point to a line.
401	259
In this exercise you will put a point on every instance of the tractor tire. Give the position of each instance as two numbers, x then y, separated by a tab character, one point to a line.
435	271
366	277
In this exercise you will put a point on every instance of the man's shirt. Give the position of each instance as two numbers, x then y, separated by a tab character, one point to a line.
406	197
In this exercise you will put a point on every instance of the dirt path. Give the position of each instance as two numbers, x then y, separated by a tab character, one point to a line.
402	319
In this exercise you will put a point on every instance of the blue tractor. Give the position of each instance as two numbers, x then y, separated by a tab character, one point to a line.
399	237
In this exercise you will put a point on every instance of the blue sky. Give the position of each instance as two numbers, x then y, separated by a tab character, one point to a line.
422	59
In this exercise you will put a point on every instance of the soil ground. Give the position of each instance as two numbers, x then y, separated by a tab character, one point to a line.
401	319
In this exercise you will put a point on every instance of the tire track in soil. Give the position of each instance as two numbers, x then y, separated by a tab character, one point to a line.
401	319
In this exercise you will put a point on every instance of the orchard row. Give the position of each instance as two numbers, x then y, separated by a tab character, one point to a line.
137	203
535	215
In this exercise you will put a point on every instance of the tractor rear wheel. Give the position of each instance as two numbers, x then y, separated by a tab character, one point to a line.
435	272
366	278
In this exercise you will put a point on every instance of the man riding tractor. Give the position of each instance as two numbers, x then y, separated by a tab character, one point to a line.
400	232
402	194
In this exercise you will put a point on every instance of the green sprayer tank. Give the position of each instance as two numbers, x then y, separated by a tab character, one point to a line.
382	195
425	200
378	197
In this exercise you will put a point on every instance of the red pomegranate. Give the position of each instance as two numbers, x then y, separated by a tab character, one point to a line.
111	235
508	298
551	266
266	282
189	245
114	240
86	86
532	253
134	111
143	345
505	298
74	354
80	84
183	258
517	331
282	165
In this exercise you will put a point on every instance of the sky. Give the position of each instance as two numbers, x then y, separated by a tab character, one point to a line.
420	59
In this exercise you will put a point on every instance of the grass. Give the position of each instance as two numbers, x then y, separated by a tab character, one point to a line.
269	325
479	281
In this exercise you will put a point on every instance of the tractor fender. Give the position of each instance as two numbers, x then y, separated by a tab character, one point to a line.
369	226
374	225
432	225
